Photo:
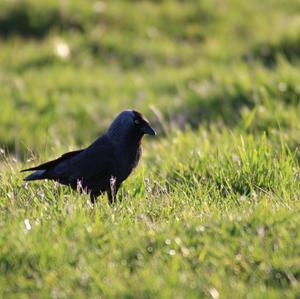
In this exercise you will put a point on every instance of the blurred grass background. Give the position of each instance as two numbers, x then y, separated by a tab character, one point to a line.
69	63
213	209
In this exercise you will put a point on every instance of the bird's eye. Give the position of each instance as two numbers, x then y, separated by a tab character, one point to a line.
137	122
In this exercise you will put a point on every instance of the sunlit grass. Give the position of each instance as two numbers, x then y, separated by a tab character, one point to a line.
213	208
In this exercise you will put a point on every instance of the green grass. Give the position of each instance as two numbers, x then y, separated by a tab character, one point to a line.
212	211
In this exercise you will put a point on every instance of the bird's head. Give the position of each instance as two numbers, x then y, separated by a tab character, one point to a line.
130	123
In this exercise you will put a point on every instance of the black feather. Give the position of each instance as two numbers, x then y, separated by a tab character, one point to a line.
52	163
105	164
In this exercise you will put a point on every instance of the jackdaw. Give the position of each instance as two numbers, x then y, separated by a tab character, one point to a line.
105	164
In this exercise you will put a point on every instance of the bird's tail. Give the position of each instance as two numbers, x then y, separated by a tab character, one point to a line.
37	175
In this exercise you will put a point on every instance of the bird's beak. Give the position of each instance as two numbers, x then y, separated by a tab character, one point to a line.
147	129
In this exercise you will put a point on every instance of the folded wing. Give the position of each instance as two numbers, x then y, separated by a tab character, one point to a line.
53	163
92	166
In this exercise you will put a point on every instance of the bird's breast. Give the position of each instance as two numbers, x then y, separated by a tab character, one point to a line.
127	160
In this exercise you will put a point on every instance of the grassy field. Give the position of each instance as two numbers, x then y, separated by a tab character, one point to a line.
212	211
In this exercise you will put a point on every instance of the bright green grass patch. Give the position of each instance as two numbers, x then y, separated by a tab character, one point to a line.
212	211
223	219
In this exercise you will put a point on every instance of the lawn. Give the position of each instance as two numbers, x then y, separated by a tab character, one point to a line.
213	209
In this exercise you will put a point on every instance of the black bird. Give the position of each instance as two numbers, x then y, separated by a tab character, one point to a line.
105	164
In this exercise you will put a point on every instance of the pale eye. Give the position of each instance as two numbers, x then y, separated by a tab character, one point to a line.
136	121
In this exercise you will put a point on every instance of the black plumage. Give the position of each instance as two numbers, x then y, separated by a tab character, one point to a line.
105	164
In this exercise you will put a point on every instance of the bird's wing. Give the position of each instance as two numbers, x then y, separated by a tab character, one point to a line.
50	164
97	161
92	166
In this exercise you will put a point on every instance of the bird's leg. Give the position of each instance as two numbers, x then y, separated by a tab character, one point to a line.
111	197
93	197
113	189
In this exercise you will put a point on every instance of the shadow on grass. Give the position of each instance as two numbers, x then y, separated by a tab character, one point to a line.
225	108
28	21
268	53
